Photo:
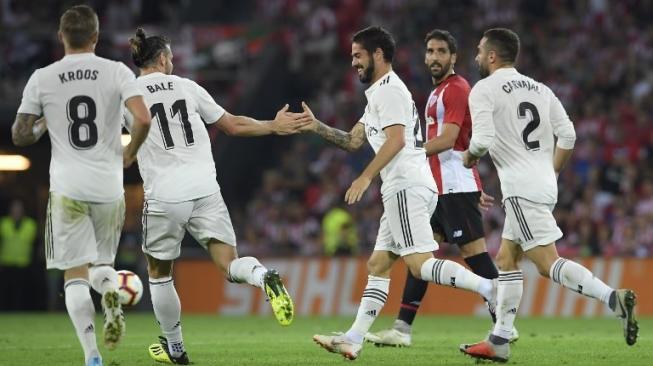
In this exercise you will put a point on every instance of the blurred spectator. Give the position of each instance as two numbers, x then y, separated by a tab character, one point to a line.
339	233
17	238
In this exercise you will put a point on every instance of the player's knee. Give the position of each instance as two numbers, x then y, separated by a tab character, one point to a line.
158	268
506	263
377	267
415	271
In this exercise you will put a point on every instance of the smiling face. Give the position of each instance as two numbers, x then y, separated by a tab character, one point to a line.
362	61
439	59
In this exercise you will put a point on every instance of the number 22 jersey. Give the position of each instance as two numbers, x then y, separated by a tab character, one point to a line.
175	160
82	97
516	119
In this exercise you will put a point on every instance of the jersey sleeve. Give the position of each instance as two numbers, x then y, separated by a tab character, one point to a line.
127	82
455	100
391	106
481	106
31	104
562	126
209	110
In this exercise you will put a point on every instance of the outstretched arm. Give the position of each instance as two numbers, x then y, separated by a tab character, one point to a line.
350	141
26	130
285	123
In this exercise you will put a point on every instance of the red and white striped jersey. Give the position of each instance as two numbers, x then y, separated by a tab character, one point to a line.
448	103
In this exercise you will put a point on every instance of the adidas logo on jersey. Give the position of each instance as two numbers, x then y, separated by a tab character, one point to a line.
371	313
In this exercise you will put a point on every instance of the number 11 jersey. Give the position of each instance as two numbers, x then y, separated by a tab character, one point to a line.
82	97
516	118
175	161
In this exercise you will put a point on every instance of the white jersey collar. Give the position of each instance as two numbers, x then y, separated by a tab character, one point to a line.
151	75
79	55
371	88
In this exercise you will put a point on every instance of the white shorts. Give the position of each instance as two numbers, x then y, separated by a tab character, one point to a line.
165	223
529	224
78	232
405	226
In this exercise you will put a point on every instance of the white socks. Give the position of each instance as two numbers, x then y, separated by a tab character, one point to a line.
509	292
374	297
103	278
167	310
450	273
82	314
247	269
578	278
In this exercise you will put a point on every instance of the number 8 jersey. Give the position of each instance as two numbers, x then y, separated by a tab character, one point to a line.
82	97
175	160
516	118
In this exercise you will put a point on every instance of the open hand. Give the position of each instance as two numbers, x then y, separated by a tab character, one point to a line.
287	123
312	126
356	190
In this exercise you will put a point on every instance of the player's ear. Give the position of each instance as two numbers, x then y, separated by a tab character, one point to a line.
453	58
60	37
95	37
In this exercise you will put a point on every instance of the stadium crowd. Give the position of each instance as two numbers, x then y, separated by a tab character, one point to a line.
593	54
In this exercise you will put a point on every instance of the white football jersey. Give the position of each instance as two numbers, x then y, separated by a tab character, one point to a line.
175	160
516	118
82	97
390	103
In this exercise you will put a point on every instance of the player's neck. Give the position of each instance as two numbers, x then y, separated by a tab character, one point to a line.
75	51
380	71
151	70
440	80
502	66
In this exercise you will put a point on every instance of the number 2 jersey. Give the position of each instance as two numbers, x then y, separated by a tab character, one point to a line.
516	118
82	97
175	160
390	103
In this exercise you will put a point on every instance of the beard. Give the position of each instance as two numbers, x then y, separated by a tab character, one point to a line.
444	69
366	77
483	71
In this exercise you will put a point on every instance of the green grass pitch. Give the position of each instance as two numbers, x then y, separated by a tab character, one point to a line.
48	339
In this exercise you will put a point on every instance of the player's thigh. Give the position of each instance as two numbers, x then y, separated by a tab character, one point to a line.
164	225
108	220
408	215
210	221
529	224
69	235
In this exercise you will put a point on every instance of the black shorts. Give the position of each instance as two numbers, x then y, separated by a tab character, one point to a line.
457	217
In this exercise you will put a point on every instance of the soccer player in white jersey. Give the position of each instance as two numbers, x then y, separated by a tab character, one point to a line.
515	118
82	98
181	191
391	125
457	218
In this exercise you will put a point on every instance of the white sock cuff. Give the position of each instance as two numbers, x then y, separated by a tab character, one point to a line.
160	281
555	272
427	270
510	276
76	282
377	289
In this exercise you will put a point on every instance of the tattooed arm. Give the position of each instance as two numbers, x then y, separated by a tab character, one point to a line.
26	130
349	141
